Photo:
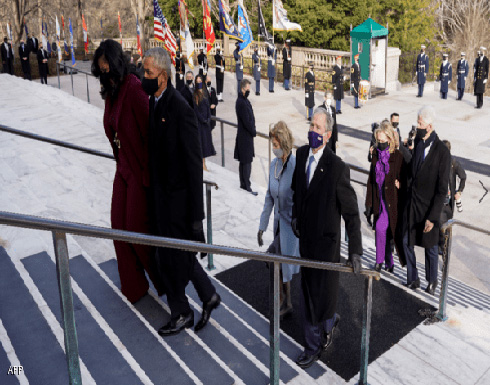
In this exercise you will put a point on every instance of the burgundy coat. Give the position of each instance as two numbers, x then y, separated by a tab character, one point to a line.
394	198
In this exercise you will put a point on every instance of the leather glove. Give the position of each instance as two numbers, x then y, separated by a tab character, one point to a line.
198	235
294	225
369	214
260	241
354	262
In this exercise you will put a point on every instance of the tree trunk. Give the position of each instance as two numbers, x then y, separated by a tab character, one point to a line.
141	10
78	24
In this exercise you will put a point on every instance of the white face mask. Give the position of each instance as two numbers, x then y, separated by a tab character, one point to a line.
329	102
278	152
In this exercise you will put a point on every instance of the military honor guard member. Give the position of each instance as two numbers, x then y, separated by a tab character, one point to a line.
256	70
338	84
179	71
445	75
24	60
7	57
422	69
462	69
202	60
310	92
238	66
480	70
219	59
271	65
355	79
286	63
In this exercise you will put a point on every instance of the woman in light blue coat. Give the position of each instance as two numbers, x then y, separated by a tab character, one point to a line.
280	198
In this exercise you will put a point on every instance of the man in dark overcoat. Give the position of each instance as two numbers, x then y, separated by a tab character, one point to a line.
179	71
271	65
309	92
480	70
338	84
212	97
355	80
188	90
42	62
286	63
244	144
462	71
422	69
7	57
219	59
176	194
24	60
428	181
202	60
445	75
322	194
32	44
327	105
257	63
237	55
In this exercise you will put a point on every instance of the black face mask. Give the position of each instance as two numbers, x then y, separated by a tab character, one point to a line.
421	133
247	93
395	124
382	146
150	86
105	80
189	82
208	83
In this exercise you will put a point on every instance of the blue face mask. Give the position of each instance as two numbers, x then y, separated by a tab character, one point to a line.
199	86
315	140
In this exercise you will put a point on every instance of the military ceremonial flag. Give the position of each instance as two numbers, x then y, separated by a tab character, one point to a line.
162	31
73	62
262	29
185	33
280	21
67	51
85	34
43	37
207	25
120	28
58	33
138	40
9	34
226	23
244	27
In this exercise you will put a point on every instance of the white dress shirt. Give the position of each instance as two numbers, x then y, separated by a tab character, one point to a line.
317	157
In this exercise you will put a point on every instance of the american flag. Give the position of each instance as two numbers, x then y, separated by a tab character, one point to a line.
162	31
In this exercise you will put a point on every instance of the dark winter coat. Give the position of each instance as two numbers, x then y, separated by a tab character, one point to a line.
186	93
318	210
244	144
220	62
480	69
179	73
24	59
213	99
338	82
355	78
43	67
203	115
286	63
310	89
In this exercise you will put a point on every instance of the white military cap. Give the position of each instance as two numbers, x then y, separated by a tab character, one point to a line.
463	54
483	49
422	46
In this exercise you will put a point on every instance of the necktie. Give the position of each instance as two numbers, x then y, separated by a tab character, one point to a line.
312	158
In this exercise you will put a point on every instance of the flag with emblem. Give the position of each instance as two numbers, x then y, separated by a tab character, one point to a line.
85	34
162	31
207	25
244	27
138	38
73	62
280	21
226	23
120	26
185	33
58	32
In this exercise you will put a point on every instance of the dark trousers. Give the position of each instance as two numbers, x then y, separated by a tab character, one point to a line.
26	68
257	86
460	93
443	95
178	302
313	333
421	90
238	86
479	100
309	112
356	101
338	105
8	67
219	86
286	84
271	84
245	170
431	262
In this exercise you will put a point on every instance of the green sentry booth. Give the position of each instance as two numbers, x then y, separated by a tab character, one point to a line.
364	41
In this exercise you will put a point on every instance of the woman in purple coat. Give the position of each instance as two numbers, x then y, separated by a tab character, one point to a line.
203	114
385	196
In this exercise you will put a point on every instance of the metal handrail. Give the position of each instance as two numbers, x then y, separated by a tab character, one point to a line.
60	228
87	74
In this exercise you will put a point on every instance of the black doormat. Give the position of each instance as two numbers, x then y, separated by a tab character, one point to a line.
394	314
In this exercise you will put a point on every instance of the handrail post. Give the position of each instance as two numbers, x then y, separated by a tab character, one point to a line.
274	304
366	329
71	75
58	73
209	217
67	310
441	314
88	95
222	144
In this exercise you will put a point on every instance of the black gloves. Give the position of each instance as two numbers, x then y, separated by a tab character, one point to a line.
294	225
369	214
198	234
260	241
355	262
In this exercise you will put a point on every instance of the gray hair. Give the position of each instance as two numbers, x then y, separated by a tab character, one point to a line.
328	118
427	114
161	59
244	83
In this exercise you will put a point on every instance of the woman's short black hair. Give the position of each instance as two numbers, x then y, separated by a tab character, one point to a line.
118	66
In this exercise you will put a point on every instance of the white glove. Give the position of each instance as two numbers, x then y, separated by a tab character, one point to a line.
181	76
335	88
273	62
241	67
485	81
289	59
465	78
306	95
260	68
449	82
343	77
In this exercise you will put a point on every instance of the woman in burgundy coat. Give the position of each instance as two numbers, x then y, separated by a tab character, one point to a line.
126	126
385	196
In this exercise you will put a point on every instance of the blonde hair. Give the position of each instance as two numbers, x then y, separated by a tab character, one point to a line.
386	128
283	135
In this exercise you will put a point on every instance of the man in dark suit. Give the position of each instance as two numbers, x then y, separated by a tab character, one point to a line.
480	70
24	60
188	90
309	92
7	57
219	59
237	55
42	62
355	80
322	194
212	98
179	71
422	69
32	44
327	105
338	84
428	182
176	195
244	144
202	60
286	63
462	71
256	69
271	65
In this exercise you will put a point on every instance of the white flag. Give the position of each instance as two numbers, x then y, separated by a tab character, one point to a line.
280	21
58	39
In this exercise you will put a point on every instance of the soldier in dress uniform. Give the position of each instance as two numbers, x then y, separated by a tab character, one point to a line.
202	60
220	73
463	69
179	71
310	92
355	79
445	75
480	70
238	65
286	63
338	84
256	70
271	65
422	69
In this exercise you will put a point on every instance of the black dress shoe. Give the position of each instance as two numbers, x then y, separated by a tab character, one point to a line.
305	360
390	270
254	193
414	284
257	93
207	308
377	266
431	288
339	112
175	326
328	337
